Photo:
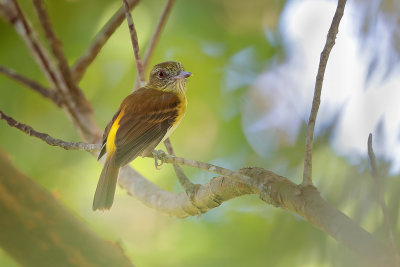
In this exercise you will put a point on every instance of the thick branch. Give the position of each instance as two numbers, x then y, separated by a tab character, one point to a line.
379	194
80	66
36	230
330	42
45	92
272	188
276	190
135	44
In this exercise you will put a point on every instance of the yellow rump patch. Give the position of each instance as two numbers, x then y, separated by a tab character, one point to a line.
110	145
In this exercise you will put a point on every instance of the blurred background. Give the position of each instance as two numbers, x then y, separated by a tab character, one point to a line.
254	65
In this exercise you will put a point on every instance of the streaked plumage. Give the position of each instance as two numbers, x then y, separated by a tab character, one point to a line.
144	119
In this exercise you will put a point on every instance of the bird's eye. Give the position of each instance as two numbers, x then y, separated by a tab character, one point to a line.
161	74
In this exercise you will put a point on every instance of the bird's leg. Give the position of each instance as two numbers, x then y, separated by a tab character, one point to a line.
158	155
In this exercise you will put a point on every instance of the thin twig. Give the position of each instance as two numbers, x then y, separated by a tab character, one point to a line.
330	42
12	13
135	44
182	178
35	86
56	47
79	108
379	194
80	66
77	102
210	168
155	37
157	32
47	138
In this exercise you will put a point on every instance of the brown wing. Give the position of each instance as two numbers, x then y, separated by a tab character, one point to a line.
148	114
105	135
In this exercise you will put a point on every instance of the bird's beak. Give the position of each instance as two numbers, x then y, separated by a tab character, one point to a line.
183	75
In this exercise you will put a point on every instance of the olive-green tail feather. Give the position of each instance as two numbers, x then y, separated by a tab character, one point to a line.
104	196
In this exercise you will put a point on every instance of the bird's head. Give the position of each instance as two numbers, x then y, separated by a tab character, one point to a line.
169	76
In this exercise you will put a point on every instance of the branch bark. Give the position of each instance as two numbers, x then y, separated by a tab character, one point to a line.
330	42
36	230
275	190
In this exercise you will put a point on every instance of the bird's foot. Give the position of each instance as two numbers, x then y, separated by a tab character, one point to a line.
158	155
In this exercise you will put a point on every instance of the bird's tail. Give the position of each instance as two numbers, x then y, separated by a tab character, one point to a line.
104	196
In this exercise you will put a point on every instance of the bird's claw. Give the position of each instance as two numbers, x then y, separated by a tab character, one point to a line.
158	155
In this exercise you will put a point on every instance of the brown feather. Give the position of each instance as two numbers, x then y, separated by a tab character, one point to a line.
148	114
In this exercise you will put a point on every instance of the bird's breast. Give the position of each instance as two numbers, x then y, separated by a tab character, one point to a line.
181	110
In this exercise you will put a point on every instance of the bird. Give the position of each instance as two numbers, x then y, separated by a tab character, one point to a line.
144	119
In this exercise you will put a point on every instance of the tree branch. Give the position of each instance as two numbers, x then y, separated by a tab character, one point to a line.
45	92
330	42
11	12
380	198
96	147
47	138
135	44
80	66
272	188
78	108
56	46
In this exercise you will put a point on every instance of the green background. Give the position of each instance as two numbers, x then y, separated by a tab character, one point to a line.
204	36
